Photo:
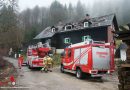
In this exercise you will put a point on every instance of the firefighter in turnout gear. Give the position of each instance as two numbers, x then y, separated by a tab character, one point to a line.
44	64
47	64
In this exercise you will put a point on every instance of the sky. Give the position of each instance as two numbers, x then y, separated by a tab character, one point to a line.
23	4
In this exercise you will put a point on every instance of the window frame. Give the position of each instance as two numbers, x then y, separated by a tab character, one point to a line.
66	41
68	26
53	29
86	25
84	38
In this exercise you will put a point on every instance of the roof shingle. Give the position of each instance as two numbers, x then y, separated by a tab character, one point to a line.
96	22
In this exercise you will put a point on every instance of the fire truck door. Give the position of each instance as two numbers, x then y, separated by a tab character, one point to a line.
68	58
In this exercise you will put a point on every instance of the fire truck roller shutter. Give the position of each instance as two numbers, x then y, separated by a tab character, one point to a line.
101	58
84	56
80	56
77	55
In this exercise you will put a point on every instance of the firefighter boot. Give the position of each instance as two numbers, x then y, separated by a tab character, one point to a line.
42	69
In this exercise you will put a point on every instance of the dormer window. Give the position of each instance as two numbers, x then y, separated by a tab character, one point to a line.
68	27
86	24
99	24
53	29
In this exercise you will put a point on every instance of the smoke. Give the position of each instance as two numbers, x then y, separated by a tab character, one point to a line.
103	7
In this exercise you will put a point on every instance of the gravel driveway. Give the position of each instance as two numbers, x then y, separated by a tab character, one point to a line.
35	80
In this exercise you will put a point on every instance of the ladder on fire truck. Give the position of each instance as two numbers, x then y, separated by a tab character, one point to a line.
88	41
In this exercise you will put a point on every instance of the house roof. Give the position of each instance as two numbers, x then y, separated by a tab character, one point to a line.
46	33
124	27
105	20
124	32
123	35
95	22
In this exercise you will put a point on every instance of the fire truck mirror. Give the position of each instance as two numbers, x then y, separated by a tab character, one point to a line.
62	54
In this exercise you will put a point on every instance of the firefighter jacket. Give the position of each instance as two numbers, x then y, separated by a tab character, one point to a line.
45	60
49	60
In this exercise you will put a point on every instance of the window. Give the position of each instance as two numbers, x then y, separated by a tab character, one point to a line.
86	24
86	37
99	24
53	29
68	27
67	40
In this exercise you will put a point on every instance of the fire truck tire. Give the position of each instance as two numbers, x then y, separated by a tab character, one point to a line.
62	68
29	67
28	63
79	74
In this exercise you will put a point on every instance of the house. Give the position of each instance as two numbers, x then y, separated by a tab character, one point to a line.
62	35
124	35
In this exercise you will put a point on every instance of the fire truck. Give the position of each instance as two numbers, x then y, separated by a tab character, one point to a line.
93	58
35	55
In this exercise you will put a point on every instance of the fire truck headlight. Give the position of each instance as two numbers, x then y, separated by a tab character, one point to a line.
108	71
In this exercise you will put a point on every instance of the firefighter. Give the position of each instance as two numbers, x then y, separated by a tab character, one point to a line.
49	63
20	61
44	64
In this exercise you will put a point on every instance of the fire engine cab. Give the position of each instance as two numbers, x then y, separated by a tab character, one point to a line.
35	55
93	58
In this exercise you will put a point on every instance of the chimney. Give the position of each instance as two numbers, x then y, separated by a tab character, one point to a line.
87	17
60	22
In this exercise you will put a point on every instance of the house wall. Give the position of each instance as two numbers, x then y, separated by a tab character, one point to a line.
110	34
97	34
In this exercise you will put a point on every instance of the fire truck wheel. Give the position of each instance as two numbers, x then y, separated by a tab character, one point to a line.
79	74
62	68
29	67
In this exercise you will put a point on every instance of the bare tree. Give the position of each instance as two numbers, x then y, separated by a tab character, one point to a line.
11	34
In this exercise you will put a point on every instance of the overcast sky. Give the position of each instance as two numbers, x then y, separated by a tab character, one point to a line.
23	4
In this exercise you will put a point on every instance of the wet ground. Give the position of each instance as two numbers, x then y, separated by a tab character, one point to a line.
35	80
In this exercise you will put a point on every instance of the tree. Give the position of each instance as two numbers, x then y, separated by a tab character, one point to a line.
9	26
36	15
57	12
25	18
80	11
70	12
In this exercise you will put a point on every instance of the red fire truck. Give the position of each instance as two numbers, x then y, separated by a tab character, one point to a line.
93	58
35	56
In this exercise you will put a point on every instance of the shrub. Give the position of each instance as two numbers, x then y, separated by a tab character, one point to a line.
57	59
